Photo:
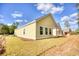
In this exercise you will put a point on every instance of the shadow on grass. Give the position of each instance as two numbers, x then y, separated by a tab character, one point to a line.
52	37
2	50
45	50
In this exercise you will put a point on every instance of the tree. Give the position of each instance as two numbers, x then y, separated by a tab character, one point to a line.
4	29
13	27
1	25
78	21
15	24
66	23
77	30
78	14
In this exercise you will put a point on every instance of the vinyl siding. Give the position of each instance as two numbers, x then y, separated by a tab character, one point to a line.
46	22
30	31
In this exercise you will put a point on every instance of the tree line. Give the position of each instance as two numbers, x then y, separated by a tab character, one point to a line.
5	29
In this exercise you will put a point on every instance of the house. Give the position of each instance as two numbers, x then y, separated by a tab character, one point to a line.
44	27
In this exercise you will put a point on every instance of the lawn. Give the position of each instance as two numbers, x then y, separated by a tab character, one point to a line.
69	48
17	47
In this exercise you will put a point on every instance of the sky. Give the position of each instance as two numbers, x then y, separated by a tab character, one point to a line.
27	12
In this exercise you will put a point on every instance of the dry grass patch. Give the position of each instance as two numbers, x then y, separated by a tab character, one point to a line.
17	47
70	48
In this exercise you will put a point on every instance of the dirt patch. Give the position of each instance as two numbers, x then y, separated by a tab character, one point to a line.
71	47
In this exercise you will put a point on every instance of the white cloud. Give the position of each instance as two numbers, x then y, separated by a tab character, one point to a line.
57	9
64	18
9	24
73	22
18	20
71	18
49	8
73	15
44	6
16	14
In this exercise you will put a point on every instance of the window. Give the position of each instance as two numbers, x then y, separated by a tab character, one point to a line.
50	32
23	31
46	31
41	30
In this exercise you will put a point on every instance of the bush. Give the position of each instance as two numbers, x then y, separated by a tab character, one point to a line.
74	33
77	30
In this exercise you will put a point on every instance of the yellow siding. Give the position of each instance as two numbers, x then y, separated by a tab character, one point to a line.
46	22
30	31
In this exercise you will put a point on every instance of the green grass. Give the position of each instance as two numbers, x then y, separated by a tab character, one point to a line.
17	47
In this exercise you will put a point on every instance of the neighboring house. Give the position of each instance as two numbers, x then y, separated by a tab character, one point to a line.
44	27
67	31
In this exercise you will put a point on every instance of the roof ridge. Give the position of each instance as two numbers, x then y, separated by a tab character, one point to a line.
40	18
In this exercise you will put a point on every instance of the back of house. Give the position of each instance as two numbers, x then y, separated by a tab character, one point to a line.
44	27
